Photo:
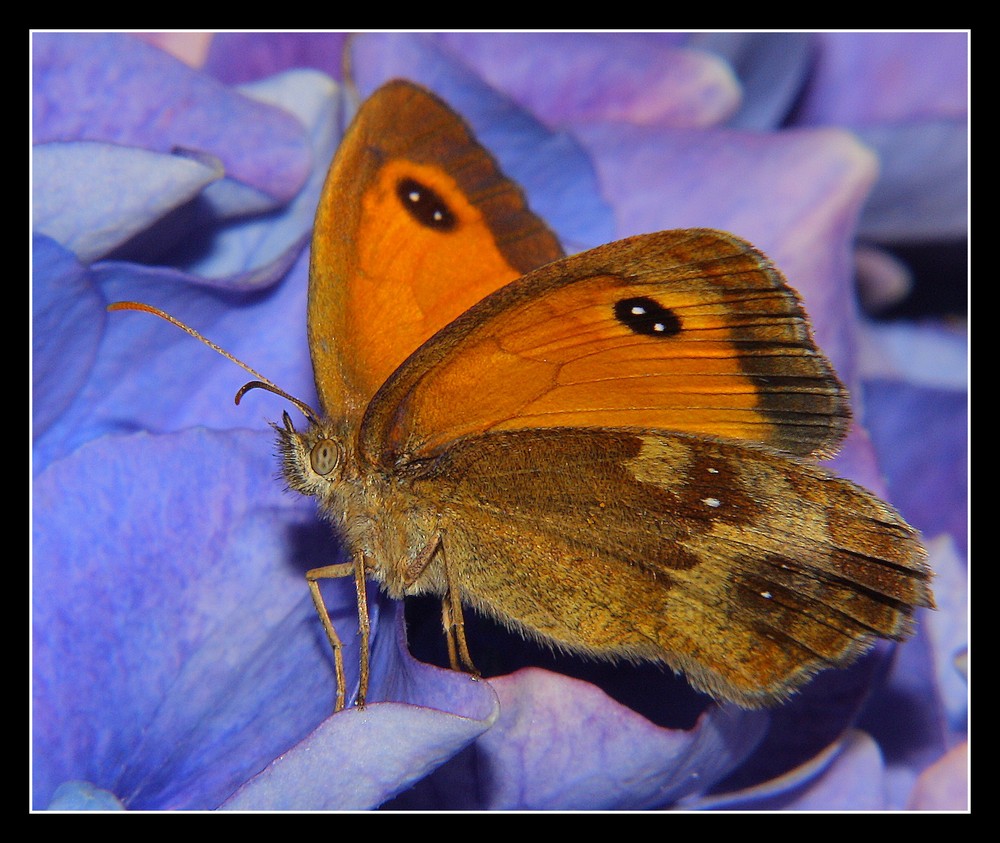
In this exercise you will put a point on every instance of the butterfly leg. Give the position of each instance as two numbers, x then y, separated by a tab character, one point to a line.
454	622
451	605
345	569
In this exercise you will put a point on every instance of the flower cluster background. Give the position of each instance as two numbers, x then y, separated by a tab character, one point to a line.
176	659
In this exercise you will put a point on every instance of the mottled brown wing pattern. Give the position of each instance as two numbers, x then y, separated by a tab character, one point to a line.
743	568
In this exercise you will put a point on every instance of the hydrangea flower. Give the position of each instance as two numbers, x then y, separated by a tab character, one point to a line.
177	662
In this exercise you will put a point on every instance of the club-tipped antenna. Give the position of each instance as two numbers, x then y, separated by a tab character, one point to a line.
260	383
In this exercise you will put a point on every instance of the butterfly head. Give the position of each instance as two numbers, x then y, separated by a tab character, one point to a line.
313	460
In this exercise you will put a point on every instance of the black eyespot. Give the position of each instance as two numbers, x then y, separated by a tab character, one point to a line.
425	205
643	315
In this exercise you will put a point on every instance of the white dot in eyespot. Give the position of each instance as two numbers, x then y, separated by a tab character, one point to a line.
712	502
659	326
438	216
713	471
638	310
414	196
766	595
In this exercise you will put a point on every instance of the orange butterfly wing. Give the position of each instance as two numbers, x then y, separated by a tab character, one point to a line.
690	331
415	225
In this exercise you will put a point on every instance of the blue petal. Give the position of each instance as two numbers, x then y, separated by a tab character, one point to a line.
92	197
67	323
420	740
83	796
147	375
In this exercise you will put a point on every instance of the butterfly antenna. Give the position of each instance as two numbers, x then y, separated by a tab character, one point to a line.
260	383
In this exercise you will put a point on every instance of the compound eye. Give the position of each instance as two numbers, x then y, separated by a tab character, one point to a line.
325	456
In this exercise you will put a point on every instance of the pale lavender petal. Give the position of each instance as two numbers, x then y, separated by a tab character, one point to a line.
550	166
945	785
863	78
190	47
928	354
592	76
93	197
117	89
83	796
237	57
948	631
306	779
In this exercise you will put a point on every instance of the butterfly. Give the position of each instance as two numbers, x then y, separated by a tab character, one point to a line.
614	453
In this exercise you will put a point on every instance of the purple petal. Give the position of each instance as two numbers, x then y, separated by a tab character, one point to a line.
237	57
906	94
624	77
927	483
865	78
116	89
